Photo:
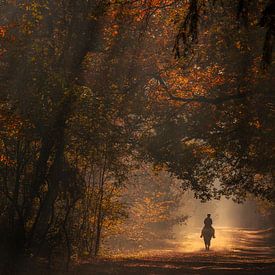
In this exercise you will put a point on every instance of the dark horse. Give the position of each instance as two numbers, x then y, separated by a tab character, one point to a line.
207	234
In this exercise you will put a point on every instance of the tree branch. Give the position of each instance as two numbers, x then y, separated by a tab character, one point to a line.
200	99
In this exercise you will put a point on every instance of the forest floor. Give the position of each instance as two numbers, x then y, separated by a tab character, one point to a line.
234	251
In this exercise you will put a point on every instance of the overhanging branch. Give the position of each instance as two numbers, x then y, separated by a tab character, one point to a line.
200	99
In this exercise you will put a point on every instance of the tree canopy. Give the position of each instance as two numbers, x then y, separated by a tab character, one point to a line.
90	89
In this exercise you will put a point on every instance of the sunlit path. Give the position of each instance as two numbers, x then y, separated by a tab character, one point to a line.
230	239
234	251
127	127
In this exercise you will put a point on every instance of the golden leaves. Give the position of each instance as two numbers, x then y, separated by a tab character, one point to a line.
256	124
3	31
6	161
204	149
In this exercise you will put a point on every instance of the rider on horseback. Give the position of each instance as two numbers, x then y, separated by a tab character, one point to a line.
208	225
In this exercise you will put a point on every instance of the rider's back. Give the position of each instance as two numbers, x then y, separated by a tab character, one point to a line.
208	222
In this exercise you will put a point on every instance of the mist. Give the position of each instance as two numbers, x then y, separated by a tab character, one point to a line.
124	123
229	218
166	218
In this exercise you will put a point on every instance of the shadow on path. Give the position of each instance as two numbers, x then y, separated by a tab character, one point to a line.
254	254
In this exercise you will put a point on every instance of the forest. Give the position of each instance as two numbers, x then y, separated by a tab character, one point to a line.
111	111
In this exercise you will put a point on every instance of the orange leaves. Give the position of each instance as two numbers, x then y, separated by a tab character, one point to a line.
2	35
139	10
3	31
207	150
238	45
6	36
4	160
114	29
256	124
9	128
10	125
195	82
204	150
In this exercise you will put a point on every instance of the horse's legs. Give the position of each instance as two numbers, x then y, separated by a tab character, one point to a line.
205	245
207	242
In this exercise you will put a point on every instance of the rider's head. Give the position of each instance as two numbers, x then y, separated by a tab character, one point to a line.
208	215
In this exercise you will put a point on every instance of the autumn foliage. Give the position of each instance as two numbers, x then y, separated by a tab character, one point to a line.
93	90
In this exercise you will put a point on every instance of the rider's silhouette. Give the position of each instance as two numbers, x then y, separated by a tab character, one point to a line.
208	224
208	221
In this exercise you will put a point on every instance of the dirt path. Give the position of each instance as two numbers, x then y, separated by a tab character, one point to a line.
235	251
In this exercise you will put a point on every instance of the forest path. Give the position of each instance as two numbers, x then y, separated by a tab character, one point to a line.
234	251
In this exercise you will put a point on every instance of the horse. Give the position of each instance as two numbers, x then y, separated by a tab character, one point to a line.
207	234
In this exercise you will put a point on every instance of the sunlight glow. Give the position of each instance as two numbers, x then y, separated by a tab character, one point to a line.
223	241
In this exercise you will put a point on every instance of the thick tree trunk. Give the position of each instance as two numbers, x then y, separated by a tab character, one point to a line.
41	224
